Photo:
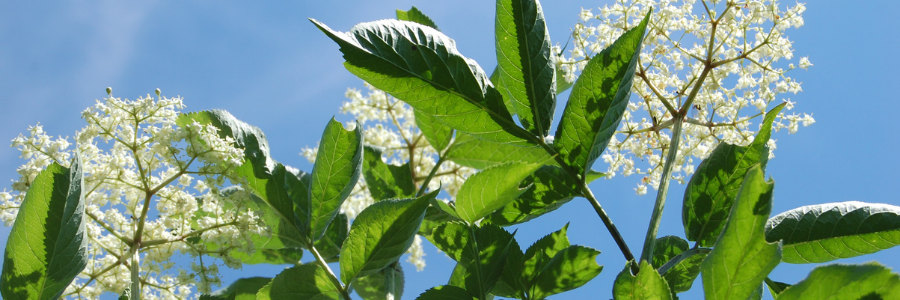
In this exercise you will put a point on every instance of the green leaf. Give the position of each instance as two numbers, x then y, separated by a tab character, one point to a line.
524	65
306	281
549	188
445	292
241	289
246	136
381	284
386	181
436	133
491	189
47	247
829	231
776	287
647	284
421	66
470	151
380	234
439	212
561	84
334	174
415	15
678	264
865	281
541	252
569	269
598	100
481	252
742	258
710	193
329	246
283	212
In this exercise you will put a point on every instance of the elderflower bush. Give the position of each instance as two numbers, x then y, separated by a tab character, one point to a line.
136	160
754	60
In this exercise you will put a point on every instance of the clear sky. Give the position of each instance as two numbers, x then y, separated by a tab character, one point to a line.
270	67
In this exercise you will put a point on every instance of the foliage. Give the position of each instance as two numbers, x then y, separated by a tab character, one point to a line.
363	205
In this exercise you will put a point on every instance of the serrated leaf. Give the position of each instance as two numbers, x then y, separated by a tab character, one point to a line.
829	231
710	193
245	136
241	289
334	174
306	281
329	246
524	65
549	188
415	15
436	133
598	100
470	151
386	181
742	258
541	252
486	191
647	284
445	292
421	66
47	246
380	234
569	269
482	257
865	281
681	264
384	284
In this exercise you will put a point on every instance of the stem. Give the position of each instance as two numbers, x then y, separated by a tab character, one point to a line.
474	244
135	273
663	190
334	280
434	169
681	257
613	231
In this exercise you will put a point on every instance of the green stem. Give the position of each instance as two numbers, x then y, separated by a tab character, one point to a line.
427	180
650	239
334	280
613	231
681	257
135	273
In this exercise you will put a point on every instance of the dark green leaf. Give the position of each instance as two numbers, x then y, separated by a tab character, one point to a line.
439	212
666	248
647	284
482	257
307	281
539	254
471	151
569	269
678	264
246	136
334	174
380	234
742	258
386	181
524	65
381	284
710	193
421	66
866	281
436	133
282	211
329	246
825	232
776	287
445	292
491	189
415	15
47	247
550	188
241	289
598	100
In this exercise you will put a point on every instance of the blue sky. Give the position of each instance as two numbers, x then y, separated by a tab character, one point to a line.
270	67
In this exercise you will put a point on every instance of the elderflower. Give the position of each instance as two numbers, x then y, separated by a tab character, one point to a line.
146	179
752	56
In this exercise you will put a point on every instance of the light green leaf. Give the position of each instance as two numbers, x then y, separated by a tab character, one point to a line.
386	181
598	100
241	289
865	281
445	292
439	212
47	247
524	65
481	253
329	246
380	234
829	231
306	281
415	15
421	66
647	284
742	258
678	264
491	189
381	284
471	151
436	133
710	193
541	252
569	269
246	136
549	188
334	174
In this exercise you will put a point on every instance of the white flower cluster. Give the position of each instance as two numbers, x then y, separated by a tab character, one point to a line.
135	157
389	125
745	44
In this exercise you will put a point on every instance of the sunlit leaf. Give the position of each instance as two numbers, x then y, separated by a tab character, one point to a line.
866	281
491	189
384	284
334	174
241	289
307	281
415	15
647	284
386	181
445	292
